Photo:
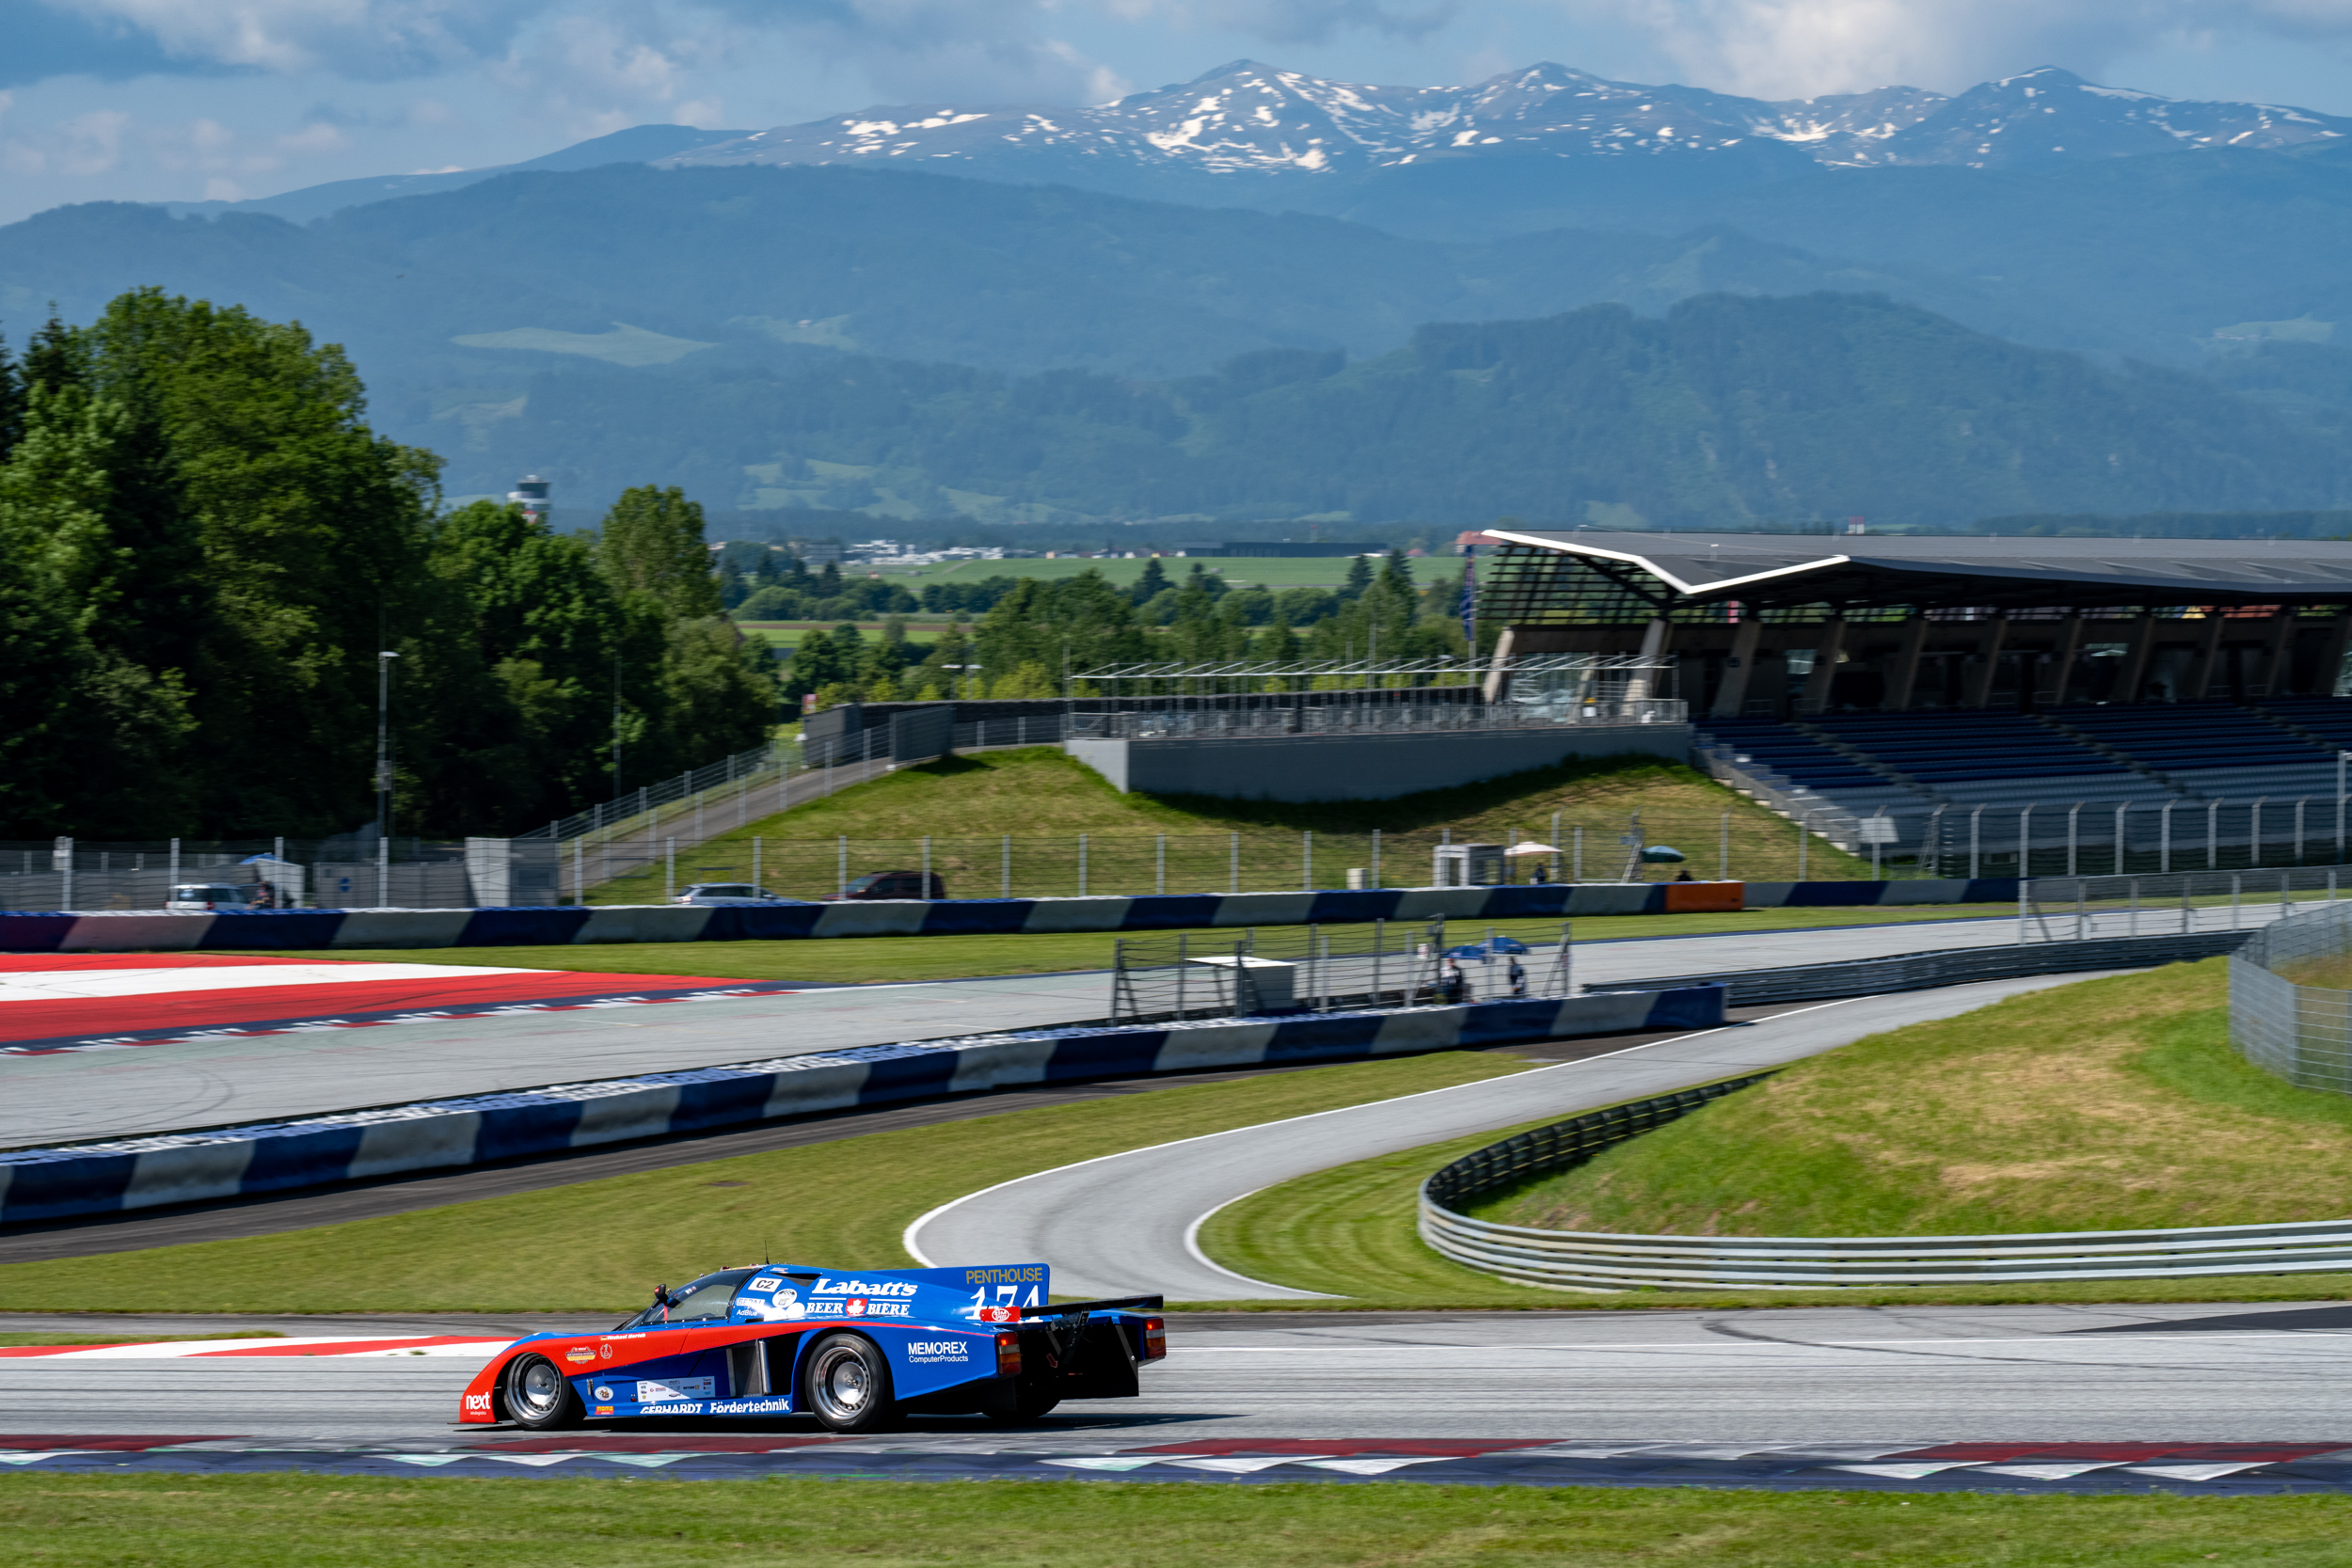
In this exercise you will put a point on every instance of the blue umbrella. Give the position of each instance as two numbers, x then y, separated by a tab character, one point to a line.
1664	854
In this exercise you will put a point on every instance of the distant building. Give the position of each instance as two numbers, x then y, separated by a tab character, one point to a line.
530	494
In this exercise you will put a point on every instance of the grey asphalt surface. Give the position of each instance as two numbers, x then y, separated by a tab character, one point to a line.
1124	1224
183	1086
212	1083
2174	1374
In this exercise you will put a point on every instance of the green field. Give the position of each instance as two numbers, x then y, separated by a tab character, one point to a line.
2112	1104
785	636
1241	571
293	1521
2107	1104
524	1252
1042	800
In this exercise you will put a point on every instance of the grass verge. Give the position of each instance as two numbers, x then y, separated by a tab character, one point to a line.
600	1245
2112	1104
884	960
352	1522
1338	1228
1044	799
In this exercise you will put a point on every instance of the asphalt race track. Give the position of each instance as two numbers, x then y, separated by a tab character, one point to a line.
1124	1223
326	1064
2027	1397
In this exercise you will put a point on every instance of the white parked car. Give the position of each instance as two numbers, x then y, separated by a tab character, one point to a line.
207	895
731	893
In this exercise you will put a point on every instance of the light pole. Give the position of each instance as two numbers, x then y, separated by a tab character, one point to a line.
2342	757
384	744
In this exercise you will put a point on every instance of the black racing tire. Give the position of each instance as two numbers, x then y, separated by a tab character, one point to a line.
1029	1406
845	1383
538	1396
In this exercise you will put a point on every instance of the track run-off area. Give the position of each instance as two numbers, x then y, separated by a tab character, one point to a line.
2185	1397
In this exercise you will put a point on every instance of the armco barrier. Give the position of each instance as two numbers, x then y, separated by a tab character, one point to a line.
140	930
139	1173
1594	1261
1954	966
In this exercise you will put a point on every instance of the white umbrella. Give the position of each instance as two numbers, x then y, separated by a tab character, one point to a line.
1532	847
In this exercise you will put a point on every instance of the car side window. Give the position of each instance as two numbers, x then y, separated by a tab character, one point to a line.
708	1297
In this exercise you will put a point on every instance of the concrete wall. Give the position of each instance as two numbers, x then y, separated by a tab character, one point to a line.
1360	767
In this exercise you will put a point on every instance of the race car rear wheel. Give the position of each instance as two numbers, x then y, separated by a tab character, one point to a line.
845	1384
539	1397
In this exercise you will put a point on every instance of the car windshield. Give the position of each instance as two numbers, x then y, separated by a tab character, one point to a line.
871	880
207	894
726	890
702	1301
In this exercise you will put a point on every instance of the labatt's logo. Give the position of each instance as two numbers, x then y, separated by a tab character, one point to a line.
863	1287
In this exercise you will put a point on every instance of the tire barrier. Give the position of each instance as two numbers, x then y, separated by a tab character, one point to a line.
1957	966
286	930
1600	1260
39	1184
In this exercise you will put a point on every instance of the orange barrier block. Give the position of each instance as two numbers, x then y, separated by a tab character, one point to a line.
1705	897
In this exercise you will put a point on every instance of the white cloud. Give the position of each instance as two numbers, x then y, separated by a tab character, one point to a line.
1801	48
362	39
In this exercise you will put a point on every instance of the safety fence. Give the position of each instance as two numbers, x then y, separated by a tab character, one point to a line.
1711	842
1587	1261
2290	1000
1381	964
2090	908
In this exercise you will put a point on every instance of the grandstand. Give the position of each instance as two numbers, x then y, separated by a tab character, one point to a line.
1911	678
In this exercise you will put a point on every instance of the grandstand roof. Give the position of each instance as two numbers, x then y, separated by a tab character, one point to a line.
1765	568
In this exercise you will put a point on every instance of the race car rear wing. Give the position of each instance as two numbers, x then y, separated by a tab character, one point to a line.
1060	1309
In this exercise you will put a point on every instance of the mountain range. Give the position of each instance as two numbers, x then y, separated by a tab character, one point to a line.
1326	146
558	315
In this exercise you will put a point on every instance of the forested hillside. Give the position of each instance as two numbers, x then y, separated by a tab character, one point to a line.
203	549
1724	412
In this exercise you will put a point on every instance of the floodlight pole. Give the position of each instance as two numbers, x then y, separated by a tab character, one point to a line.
2342	757
384	745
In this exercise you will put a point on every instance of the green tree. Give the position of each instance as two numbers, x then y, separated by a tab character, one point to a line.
1149	584
652	543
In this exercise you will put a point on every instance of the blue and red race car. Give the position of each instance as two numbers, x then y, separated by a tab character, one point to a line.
852	1348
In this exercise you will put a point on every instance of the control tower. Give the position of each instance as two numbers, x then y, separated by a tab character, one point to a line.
530	494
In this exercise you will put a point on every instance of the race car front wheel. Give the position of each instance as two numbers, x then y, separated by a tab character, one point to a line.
845	1384
538	1397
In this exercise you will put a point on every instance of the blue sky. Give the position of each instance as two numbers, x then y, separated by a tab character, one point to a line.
177	100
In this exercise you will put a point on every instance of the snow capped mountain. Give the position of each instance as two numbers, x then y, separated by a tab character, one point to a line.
1249	118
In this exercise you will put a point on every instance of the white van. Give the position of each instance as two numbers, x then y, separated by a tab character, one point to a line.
206	896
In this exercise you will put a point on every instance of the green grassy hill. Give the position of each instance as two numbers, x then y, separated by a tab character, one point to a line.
1043	800
2115	1104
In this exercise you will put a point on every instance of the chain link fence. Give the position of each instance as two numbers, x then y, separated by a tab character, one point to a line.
2291	998
2091	909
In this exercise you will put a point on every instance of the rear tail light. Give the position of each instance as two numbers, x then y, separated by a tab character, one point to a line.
1007	1354
1155	1339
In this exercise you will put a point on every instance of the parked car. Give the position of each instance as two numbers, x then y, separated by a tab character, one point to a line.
207	895
730	893
892	884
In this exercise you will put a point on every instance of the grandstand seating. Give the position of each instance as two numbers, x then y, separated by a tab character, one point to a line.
1794	760
2281	748
2211	748
1990	756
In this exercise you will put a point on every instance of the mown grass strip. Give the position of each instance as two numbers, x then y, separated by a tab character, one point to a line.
868	960
1351	1229
2105	1105
600	1245
280	1521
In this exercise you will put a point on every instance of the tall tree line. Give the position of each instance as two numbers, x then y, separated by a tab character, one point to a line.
203	549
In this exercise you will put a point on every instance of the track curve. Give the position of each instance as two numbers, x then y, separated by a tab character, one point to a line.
1125	1224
